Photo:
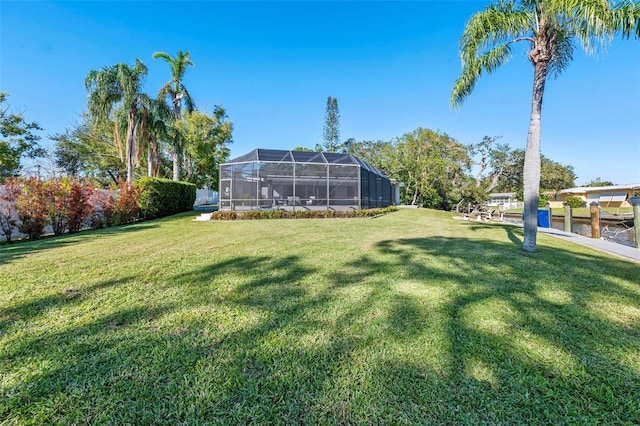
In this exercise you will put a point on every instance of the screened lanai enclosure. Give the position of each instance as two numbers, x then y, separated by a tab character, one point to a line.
278	179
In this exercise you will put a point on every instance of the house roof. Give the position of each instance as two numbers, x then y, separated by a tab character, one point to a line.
501	194
305	157
586	189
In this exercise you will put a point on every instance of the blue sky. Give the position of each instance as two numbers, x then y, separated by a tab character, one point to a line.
391	65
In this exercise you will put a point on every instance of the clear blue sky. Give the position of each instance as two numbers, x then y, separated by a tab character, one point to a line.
391	65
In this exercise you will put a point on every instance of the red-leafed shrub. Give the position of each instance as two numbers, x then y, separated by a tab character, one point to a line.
80	206
103	209
32	207
9	193
126	203
57	199
68	203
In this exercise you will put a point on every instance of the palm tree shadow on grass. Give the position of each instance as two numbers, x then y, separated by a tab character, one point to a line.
362	341
491	375
41	306
20	249
514	234
523	331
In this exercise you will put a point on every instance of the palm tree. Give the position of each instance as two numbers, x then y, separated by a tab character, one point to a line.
154	127
175	91
118	87
550	28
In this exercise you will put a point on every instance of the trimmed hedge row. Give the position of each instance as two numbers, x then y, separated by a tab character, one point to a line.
164	197
299	214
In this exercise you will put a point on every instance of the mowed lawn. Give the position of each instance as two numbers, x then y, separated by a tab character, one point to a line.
409	318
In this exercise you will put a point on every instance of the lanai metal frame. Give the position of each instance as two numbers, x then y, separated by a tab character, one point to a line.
268	179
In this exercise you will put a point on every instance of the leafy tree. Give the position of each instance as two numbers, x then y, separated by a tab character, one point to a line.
439	164
206	138
176	92
88	150
598	182
120	86
366	150
302	148
473	194
493	161
431	165
511	179
18	140
549	27
555	176
331	134
346	146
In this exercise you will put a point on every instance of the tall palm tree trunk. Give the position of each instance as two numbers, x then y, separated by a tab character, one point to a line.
131	145
532	158
152	159
177	154
176	164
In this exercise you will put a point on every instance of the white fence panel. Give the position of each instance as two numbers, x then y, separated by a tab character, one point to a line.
206	196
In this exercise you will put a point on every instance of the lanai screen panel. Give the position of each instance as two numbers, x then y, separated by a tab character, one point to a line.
266	179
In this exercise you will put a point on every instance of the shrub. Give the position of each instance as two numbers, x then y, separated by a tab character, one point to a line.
574	202
8	214
57	201
68	204
32	208
164	197
103	209
80	205
126	203
542	201
299	214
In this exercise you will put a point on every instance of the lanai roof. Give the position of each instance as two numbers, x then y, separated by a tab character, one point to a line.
305	157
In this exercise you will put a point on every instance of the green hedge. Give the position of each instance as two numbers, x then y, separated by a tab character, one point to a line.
574	202
164	197
299	214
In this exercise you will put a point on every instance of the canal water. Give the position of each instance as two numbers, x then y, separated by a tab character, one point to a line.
618	233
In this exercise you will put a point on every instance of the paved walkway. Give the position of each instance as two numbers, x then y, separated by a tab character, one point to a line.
626	252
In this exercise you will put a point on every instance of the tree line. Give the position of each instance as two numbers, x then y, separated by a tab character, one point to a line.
126	133
438	171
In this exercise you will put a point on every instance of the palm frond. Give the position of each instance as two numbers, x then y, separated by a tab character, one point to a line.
590	21
472	71
499	23
188	101
562	52
162	55
161	110
486	42
626	18
174	89
166	91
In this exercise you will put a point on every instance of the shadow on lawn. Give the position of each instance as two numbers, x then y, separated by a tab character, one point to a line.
464	332
19	249
40	307
526	333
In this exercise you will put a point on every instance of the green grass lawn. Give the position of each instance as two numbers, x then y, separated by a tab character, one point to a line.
410	318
